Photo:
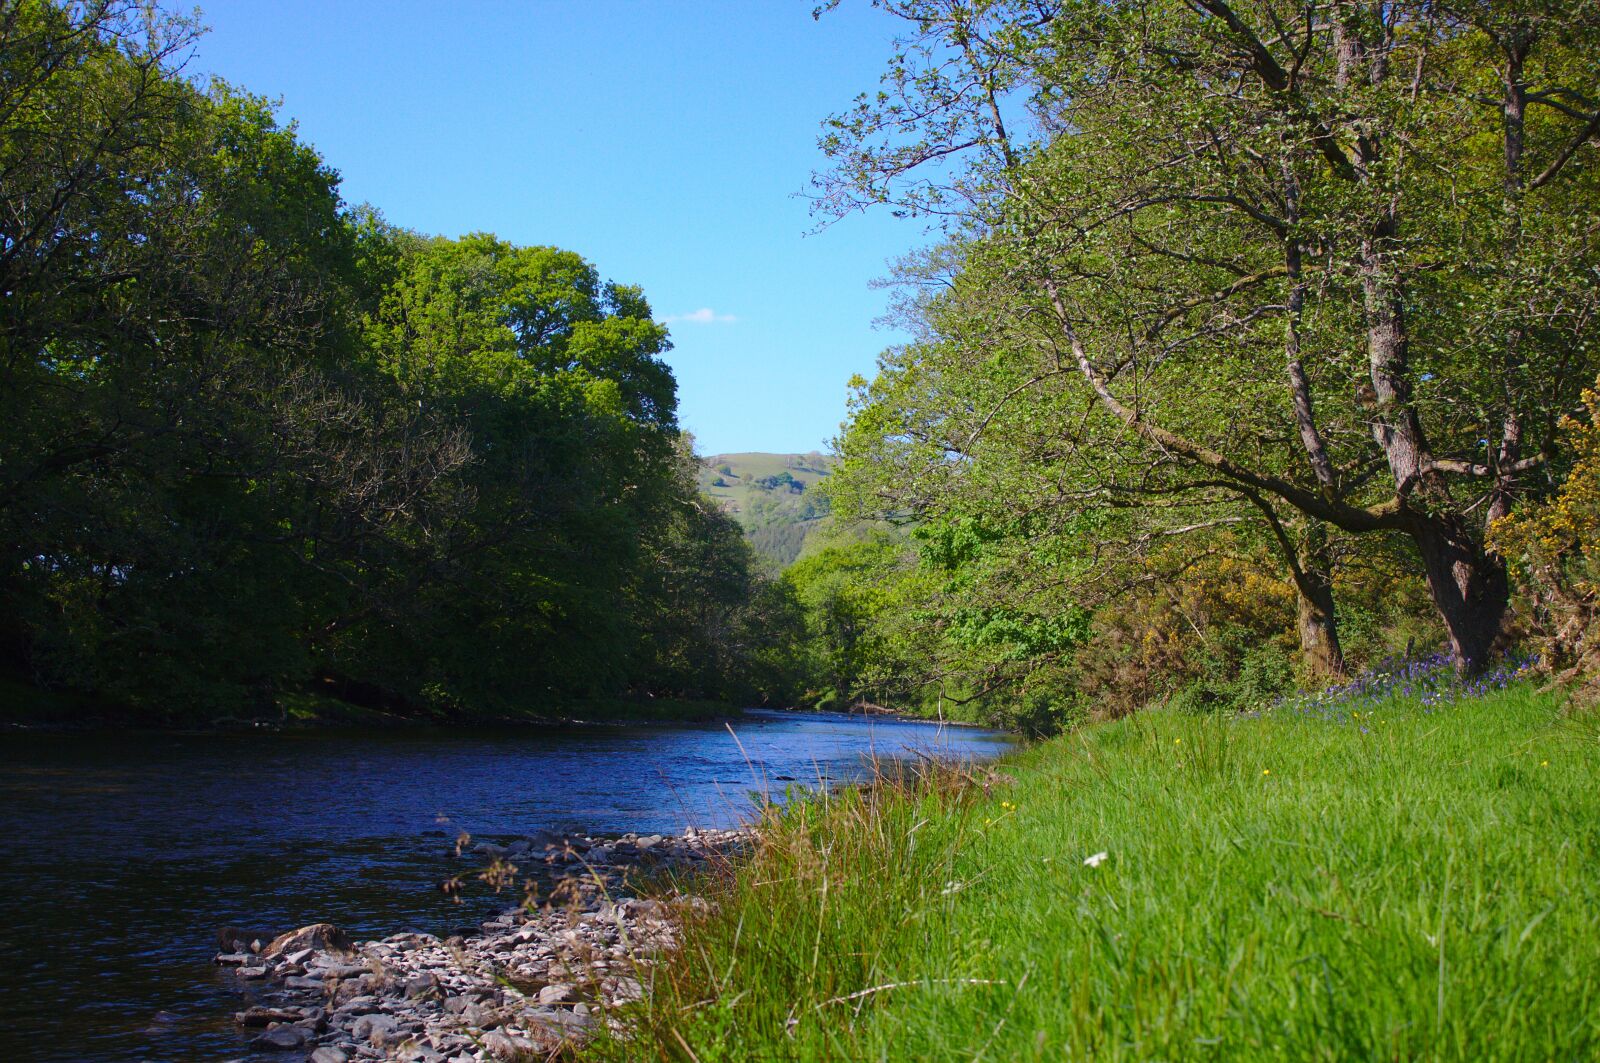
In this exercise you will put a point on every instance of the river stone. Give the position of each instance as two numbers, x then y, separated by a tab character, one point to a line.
481	1017
250	972
420	984
358	1005
282	1038
418	1053
262	1016
329	1054
345	970
571	1020
376	1028
499	1046
322	936
299	982
560	993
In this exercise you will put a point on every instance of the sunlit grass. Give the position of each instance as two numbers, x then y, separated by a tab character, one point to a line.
1422	886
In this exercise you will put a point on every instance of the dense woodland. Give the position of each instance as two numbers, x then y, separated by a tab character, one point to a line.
1252	351
262	448
1252	354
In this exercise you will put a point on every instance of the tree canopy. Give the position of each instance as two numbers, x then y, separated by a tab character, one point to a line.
263	447
1318	277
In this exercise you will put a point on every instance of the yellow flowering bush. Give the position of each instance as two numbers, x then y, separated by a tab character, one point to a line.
1554	546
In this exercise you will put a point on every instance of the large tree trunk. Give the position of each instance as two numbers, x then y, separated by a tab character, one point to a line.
1319	635
1317	623
1469	588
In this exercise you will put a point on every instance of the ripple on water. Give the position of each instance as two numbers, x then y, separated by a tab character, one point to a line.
120	856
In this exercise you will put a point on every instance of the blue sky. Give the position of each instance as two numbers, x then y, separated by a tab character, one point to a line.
662	140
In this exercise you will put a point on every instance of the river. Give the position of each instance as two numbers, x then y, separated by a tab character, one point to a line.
120	856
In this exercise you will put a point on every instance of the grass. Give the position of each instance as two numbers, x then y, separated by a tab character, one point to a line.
1402	886
776	521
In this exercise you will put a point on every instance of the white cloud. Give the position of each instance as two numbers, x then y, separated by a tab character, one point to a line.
703	316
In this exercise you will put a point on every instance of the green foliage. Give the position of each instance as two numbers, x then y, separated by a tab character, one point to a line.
1178	403
262	450
1555	545
1273	888
1333	328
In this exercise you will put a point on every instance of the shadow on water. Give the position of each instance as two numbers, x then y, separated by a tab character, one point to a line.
120	856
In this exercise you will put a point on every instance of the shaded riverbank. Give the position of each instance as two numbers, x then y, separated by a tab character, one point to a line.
121	855
26	708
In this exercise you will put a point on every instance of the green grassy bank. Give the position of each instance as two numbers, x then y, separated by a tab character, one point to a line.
1406	884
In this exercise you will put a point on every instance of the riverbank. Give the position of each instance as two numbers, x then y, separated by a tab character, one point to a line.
1392	879
177	835
24	707
531	983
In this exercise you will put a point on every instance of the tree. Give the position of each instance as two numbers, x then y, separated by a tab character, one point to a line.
1327	257
186	454
1555	544
259	445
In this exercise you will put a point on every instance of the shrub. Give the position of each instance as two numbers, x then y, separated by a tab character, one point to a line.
1554	547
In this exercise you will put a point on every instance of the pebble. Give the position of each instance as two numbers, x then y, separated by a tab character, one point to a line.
282	1038
529	983
560	993
263	1016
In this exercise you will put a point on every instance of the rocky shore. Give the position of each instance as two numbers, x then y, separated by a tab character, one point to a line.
527	984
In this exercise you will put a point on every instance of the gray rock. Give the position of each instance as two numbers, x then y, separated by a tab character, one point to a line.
481	1017
317	936
299	982
360	1004
345	970
649	841
263	1016
281	1038
627	990
375	1027
570	1020
329	1054
301	956
560	993
421	984
250	972
499	1046
418	1053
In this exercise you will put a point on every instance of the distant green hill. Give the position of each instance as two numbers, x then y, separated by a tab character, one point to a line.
771	496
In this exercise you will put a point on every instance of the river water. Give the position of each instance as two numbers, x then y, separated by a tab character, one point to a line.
121	856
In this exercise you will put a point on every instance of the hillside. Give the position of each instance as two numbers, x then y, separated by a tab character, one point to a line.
771	496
